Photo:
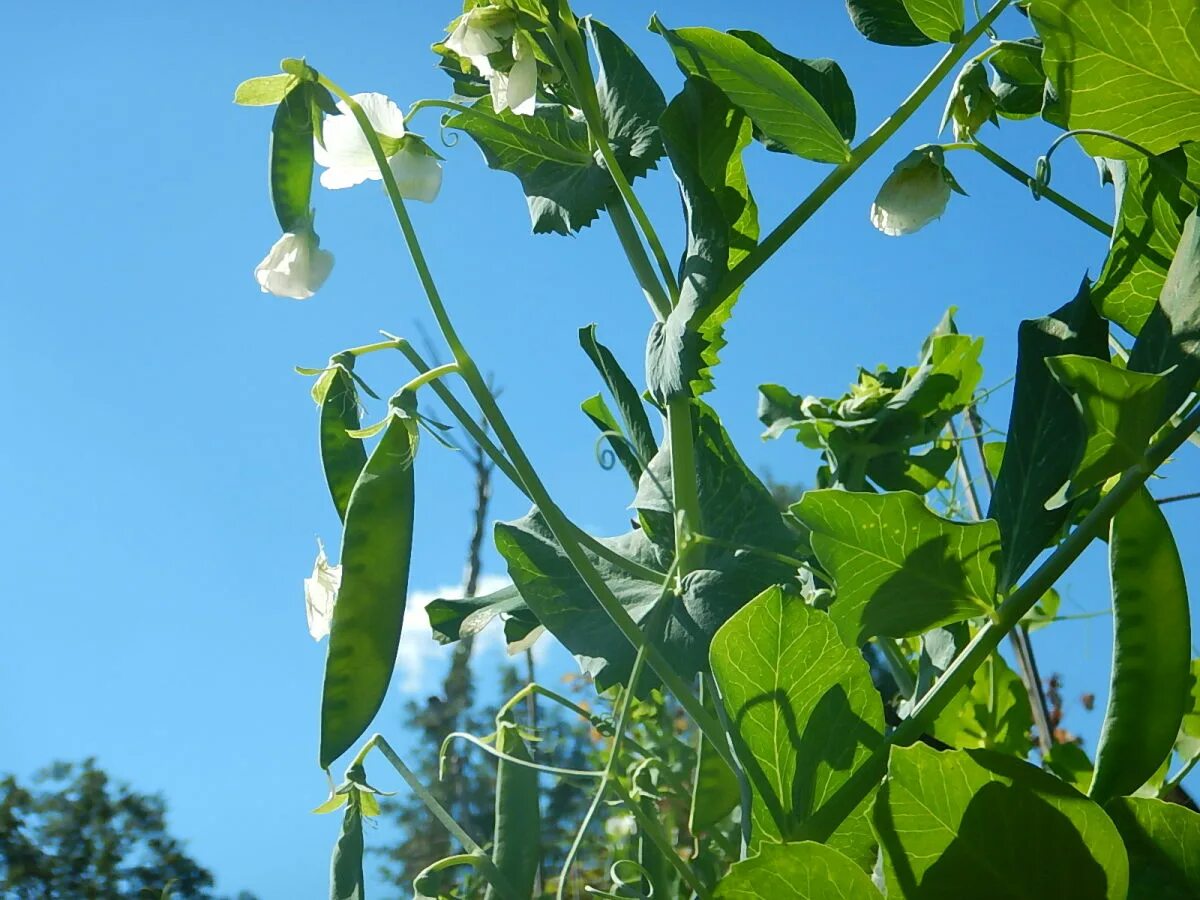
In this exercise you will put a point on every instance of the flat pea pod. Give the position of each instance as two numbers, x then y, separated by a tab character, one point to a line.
290	158
1151	650
516	849
369	613
342	456
346	867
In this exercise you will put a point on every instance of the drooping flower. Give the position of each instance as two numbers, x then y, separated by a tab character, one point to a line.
417	170
346	155
915	194
320	594
479	33
295	266
485	30
516	89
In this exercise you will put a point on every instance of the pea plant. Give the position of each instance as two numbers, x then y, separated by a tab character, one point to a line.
860	710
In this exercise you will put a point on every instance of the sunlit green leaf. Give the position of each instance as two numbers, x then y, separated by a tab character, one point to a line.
805	707
975	823
1019	85
798	871
1120	410
1163	841
991	713
1132	68
265	90
940	20
776	102
899	568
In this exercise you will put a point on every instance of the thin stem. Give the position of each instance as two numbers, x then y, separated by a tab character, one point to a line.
578	71
761	552
1067	205
428	377
898	666
653	829
1163	501
864	151
1007	616
609	767
684	490
1019	638
373	348
636	253
1177	779
745	792
516	761
534	688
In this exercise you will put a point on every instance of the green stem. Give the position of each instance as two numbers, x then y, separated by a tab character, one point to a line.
556	521
1087	218
653	829
632	245
578	71
392	344
428	377
864	151
1006	617
497	456
1177	779
609	767
898	665
761	552
533	688
684	490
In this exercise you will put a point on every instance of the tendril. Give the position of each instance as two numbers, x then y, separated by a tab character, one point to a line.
448	136
620	883
1041	178
606	456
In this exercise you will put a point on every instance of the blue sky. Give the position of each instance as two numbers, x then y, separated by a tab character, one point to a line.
164	496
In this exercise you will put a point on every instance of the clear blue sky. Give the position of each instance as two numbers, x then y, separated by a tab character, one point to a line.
162	493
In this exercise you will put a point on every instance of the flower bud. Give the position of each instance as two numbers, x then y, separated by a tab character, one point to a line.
915	193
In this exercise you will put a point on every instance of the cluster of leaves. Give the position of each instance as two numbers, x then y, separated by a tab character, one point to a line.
801	776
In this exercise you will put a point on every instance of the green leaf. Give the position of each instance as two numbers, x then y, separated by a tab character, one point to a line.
823	78
454	619
1163	841
886	22
346	868
1188	742
342	456
736	509
939	20
602	417
916	472
1152	205
987	714
799	871
1132	68
805	707
1019	85
770	95
716	793
899	568
631	102
705	136
1044	611
565	184
951	819
516	846
1070	763
369	612
1045	437
1170	339
291	159
628	399
265	90
1120	411
1151	671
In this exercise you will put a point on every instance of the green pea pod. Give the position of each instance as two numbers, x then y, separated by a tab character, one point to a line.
516	850
342	456
1151	652
369	612
346	867
290	167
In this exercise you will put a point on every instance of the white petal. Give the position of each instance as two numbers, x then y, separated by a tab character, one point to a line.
384	115
473	42
498	82
320	594
910	199
348	176
418	175
522	80
345	144
295	267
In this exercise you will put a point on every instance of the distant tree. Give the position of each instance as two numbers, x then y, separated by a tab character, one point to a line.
76	834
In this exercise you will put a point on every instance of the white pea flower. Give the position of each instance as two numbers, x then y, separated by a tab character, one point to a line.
915	193
320	593
517	88
346	155
620	827
478	34
295	267
417	171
